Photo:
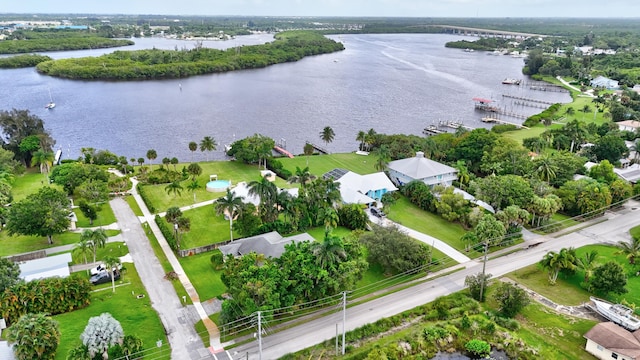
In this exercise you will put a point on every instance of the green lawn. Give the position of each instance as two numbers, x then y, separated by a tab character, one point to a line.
207	227
133	204
411	216
226	170
136	316
105	217
18	244
203	276
320	164
28	183
116	249
567	290
318	232
635	232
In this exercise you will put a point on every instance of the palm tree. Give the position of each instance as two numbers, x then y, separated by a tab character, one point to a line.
383	158
576	131
267	193
194	170
174	188
302	177
97	239
329	252
463	173
82	248
587	263
635	149
555	262
371	138
231	205
362	136
44	159
193	186
193	146
208	144
166	161
329	217
183	225
151	155
327	135
111	263
546	168
174	162
140	161
630	249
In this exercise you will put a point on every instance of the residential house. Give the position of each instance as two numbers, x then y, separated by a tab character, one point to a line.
420	168
270	244
605	83
51	266
630	173
361	189
628	125
610	341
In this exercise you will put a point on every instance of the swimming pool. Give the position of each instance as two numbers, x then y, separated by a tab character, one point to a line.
218	185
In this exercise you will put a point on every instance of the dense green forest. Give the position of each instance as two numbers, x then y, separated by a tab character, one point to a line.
23	41
20	61
158	64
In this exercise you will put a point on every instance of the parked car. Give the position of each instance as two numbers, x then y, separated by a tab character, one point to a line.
104	277
377	212
100	268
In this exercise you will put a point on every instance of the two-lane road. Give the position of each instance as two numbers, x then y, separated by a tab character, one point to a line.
316	331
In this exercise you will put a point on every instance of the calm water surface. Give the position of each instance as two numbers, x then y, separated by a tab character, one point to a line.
394	83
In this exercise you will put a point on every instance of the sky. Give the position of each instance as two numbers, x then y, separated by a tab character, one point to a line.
378	8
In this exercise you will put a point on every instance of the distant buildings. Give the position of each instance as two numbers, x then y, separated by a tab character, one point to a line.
270	244
628	125
605	83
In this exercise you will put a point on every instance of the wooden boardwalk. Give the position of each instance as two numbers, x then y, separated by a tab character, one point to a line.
319	148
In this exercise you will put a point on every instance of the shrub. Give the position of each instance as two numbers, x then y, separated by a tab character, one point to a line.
353	217
217	259
478	348
171	275
500	128
507	323
277	167
146	200
166	231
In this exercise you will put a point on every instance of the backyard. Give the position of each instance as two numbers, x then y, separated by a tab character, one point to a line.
320	164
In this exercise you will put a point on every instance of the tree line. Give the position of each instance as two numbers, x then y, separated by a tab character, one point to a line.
157	64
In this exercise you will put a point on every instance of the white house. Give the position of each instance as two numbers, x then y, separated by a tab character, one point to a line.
420	168
364	189
628	125
51	266
610	341
603	82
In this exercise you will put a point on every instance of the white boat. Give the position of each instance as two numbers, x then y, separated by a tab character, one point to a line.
510	81
51	104
617	313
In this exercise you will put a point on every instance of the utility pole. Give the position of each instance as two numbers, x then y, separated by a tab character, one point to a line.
484	266
259	336
344	319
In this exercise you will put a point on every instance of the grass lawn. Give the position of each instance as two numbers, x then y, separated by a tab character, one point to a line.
203	276
136	316
320	164
105	217
226	170
567	290
18	244
635	232
411	216
29	183
116	249
133	204
318	232
207	227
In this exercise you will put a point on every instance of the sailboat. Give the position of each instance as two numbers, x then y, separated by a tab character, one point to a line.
51	104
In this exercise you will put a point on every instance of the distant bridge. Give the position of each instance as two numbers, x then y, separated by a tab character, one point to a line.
486	32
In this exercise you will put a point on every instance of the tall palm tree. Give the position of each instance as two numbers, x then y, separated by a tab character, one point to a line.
174	188
383	158
267	193
362	136
555	262
302	177
95	239
193	186
183	225
208	143
166	161
587	263
546	168
576	131
630	249
193	146
327	134
174	162
231	205
82	248
112	263
330	218
151	155
44	159
463	173
329	252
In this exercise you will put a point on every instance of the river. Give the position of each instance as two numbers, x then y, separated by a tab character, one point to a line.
393	83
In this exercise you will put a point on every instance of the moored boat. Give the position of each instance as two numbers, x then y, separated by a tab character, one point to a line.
617	313
510	81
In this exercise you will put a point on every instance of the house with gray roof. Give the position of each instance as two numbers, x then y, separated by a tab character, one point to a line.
361	189
270	244
605	83
609	341
423	169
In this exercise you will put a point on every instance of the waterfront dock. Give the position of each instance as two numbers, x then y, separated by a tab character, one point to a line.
319	149
282	151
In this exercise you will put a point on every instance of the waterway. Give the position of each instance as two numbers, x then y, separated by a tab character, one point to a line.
393	83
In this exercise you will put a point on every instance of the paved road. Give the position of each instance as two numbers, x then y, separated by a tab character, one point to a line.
313	332
177	320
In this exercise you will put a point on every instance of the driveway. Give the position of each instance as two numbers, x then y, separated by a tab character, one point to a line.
177	319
